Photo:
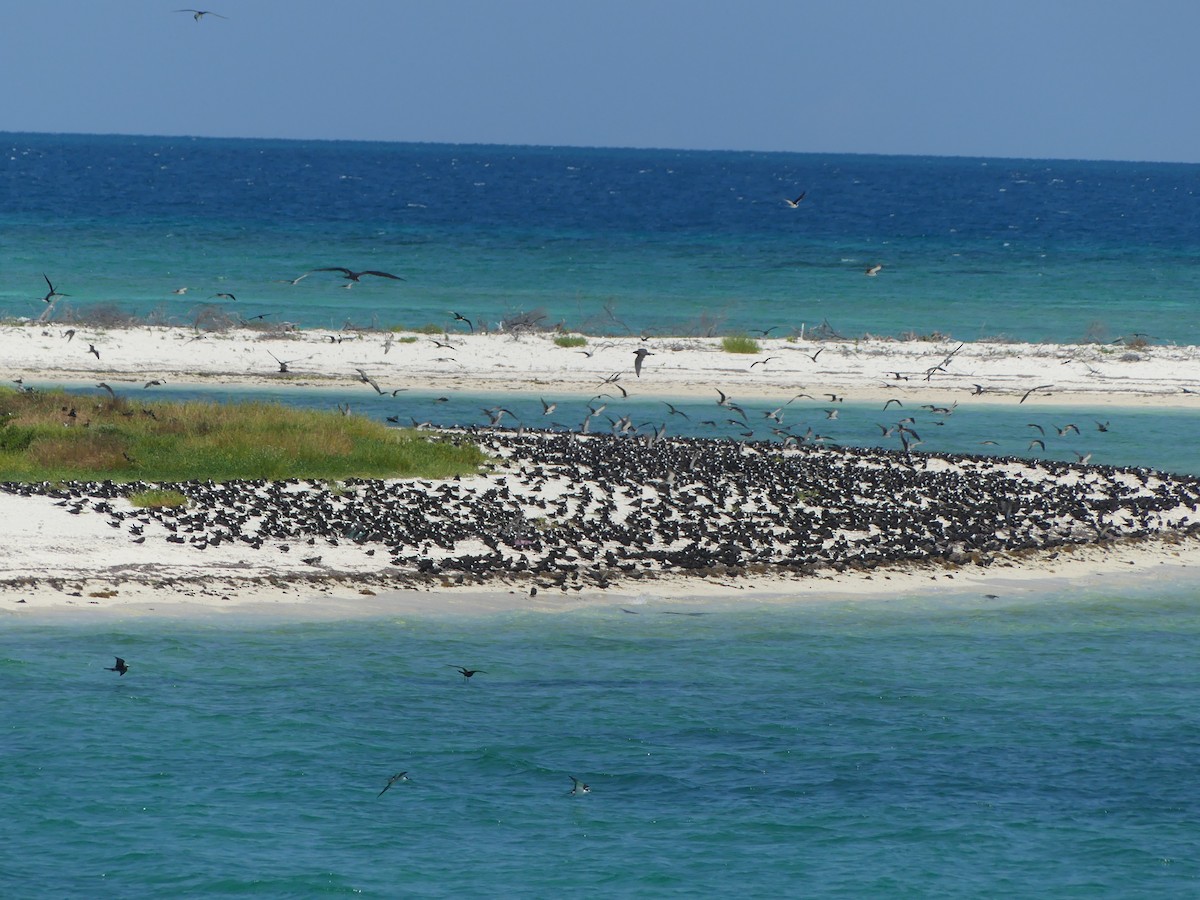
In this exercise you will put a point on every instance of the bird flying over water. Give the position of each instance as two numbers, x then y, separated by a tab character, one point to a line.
395	779
52	293
199	14
794	203
354	276
467	673
120	667
578	787
874	270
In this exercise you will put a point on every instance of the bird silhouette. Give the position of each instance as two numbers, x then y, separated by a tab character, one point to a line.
467	673
395	779
120	667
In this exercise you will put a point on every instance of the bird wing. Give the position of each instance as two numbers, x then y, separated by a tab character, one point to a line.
381	274
341	269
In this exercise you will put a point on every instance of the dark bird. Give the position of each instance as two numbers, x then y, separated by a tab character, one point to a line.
150	384
224	295
547	408
466	673
762	362
92	350
578	787
52	293
794	203
677	412
1040	387
354	276
813	356
120	667
1041	445
891	401
199	14
395	779
367	379
1040	429
1101	426
111	392
459	317
639	354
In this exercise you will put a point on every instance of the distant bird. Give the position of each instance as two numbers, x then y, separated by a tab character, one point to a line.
677	412
458	317
979	389
762	362
1066	429
92	350
106	387
1101	426
467	673
891	401
639	354
874	270
367	379
224	295
150	384
395	779
794	203
198	14
284	363
53	293
1040	387
354	276
547	408
120	667
180	291
577	787
813	356
1084	458
1041	445
68	334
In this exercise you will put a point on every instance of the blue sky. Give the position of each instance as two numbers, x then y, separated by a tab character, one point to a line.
1026	78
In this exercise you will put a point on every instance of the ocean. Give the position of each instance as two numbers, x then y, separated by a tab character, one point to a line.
924	745
605	241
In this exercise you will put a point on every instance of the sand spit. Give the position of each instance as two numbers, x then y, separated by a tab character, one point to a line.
569	515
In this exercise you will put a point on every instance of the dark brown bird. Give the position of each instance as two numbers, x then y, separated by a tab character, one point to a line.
467	673
120	667
354	276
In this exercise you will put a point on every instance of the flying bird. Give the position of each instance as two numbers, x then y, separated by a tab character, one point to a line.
794	203
459	317
467	673
395	779
354	276
92	350
1040	387
874	270
577	787
53	293
199	14
120	667
224	295
639	354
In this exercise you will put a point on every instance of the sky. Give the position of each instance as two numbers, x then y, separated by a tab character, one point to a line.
1076	79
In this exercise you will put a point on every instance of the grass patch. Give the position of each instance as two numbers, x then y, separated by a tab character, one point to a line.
570	340
739	343
157	499
56	436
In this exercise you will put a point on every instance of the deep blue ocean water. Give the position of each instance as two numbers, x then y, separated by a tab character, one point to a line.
916	746
618	241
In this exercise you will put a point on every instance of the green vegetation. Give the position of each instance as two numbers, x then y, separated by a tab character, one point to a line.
157	499
56	436
570	340
739	343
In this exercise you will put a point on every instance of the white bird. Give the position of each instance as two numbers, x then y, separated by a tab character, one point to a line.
578	787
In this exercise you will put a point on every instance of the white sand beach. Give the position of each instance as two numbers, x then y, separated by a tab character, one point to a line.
53	562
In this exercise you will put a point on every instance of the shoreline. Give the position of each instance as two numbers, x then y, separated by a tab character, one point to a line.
866	370
59	562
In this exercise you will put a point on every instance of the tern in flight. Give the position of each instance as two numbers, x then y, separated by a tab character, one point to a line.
120	667
398	777
874	270
794	203
199	14
467	673
577	787
354	276
53	293
639	354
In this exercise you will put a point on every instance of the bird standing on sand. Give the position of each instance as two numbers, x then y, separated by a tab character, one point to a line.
395	779
639	354
120	667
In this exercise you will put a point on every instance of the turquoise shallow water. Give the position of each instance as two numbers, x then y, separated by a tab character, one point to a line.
958	746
